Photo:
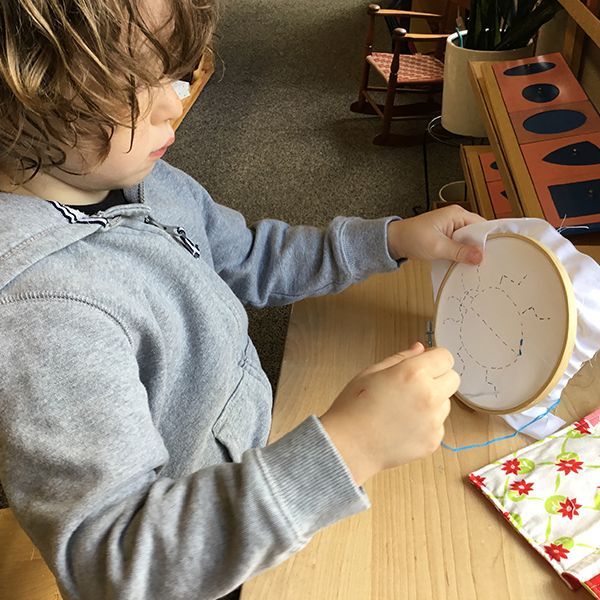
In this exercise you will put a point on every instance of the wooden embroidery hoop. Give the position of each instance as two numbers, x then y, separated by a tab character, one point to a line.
566	338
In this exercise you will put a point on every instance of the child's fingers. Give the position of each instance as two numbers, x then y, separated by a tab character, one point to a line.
448	383
449	249
444	411
435	362
416	349
466	217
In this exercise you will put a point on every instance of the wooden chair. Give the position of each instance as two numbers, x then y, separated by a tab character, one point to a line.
404	71
23	572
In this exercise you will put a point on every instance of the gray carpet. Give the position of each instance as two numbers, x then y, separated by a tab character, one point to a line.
272	134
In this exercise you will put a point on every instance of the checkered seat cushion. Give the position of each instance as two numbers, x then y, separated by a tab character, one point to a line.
414	68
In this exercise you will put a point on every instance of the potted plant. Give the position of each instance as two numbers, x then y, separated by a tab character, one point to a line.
496	30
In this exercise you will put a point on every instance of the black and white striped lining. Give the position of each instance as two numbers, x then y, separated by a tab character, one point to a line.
73	217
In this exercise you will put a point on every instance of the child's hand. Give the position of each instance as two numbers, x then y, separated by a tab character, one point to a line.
428	236
394	411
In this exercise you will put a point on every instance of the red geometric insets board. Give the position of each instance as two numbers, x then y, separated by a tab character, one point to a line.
547	88
564	160
489	166
567	120
500	204
571	205
566	176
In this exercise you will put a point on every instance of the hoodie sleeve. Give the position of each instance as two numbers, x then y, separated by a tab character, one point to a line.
273	263
81	460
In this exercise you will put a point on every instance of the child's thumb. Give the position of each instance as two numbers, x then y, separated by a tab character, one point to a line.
462	253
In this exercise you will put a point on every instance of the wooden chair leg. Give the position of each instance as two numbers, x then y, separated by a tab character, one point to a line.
361	105
388	111
386	124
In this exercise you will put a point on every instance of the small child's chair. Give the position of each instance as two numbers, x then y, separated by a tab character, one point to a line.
403	70
23	573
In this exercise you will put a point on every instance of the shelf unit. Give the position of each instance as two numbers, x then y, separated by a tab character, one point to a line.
583	25
477	192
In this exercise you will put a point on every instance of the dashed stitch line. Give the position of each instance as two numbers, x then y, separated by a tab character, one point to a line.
452	319
492	384
462	361
535	313
512	280
490	327
517	352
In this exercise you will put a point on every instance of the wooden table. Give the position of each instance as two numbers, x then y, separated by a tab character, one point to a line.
429	534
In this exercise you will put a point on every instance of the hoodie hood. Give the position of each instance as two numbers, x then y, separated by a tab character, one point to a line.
32	228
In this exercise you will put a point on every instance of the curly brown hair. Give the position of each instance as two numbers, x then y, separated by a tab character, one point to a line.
70	71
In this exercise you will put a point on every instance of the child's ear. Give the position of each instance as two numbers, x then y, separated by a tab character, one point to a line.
8	182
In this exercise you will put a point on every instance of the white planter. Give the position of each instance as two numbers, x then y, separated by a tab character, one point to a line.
460	111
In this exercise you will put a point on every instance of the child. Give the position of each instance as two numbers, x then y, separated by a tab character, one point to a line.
133	409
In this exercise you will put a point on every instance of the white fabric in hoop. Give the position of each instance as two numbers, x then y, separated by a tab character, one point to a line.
585	277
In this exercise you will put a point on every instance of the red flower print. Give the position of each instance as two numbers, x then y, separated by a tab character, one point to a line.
511	466
477	480
521	487
582	426
556	552
568	466
569	507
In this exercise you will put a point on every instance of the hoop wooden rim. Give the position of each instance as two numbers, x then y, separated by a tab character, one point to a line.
569	334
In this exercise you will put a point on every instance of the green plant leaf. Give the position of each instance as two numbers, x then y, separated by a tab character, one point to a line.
524	7
506	24
524	28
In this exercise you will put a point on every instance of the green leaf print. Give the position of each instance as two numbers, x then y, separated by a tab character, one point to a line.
552	504
565	542
574	433
597	499
526	466
567	456
516	520
515	496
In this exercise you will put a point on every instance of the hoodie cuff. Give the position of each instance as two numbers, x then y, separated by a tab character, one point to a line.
310	481
365	246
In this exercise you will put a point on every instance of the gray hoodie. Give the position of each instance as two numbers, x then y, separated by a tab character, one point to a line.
133	408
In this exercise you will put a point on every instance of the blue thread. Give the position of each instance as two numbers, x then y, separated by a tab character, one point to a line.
504	437
460	38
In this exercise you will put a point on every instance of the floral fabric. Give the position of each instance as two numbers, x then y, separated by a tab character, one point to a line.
550	493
